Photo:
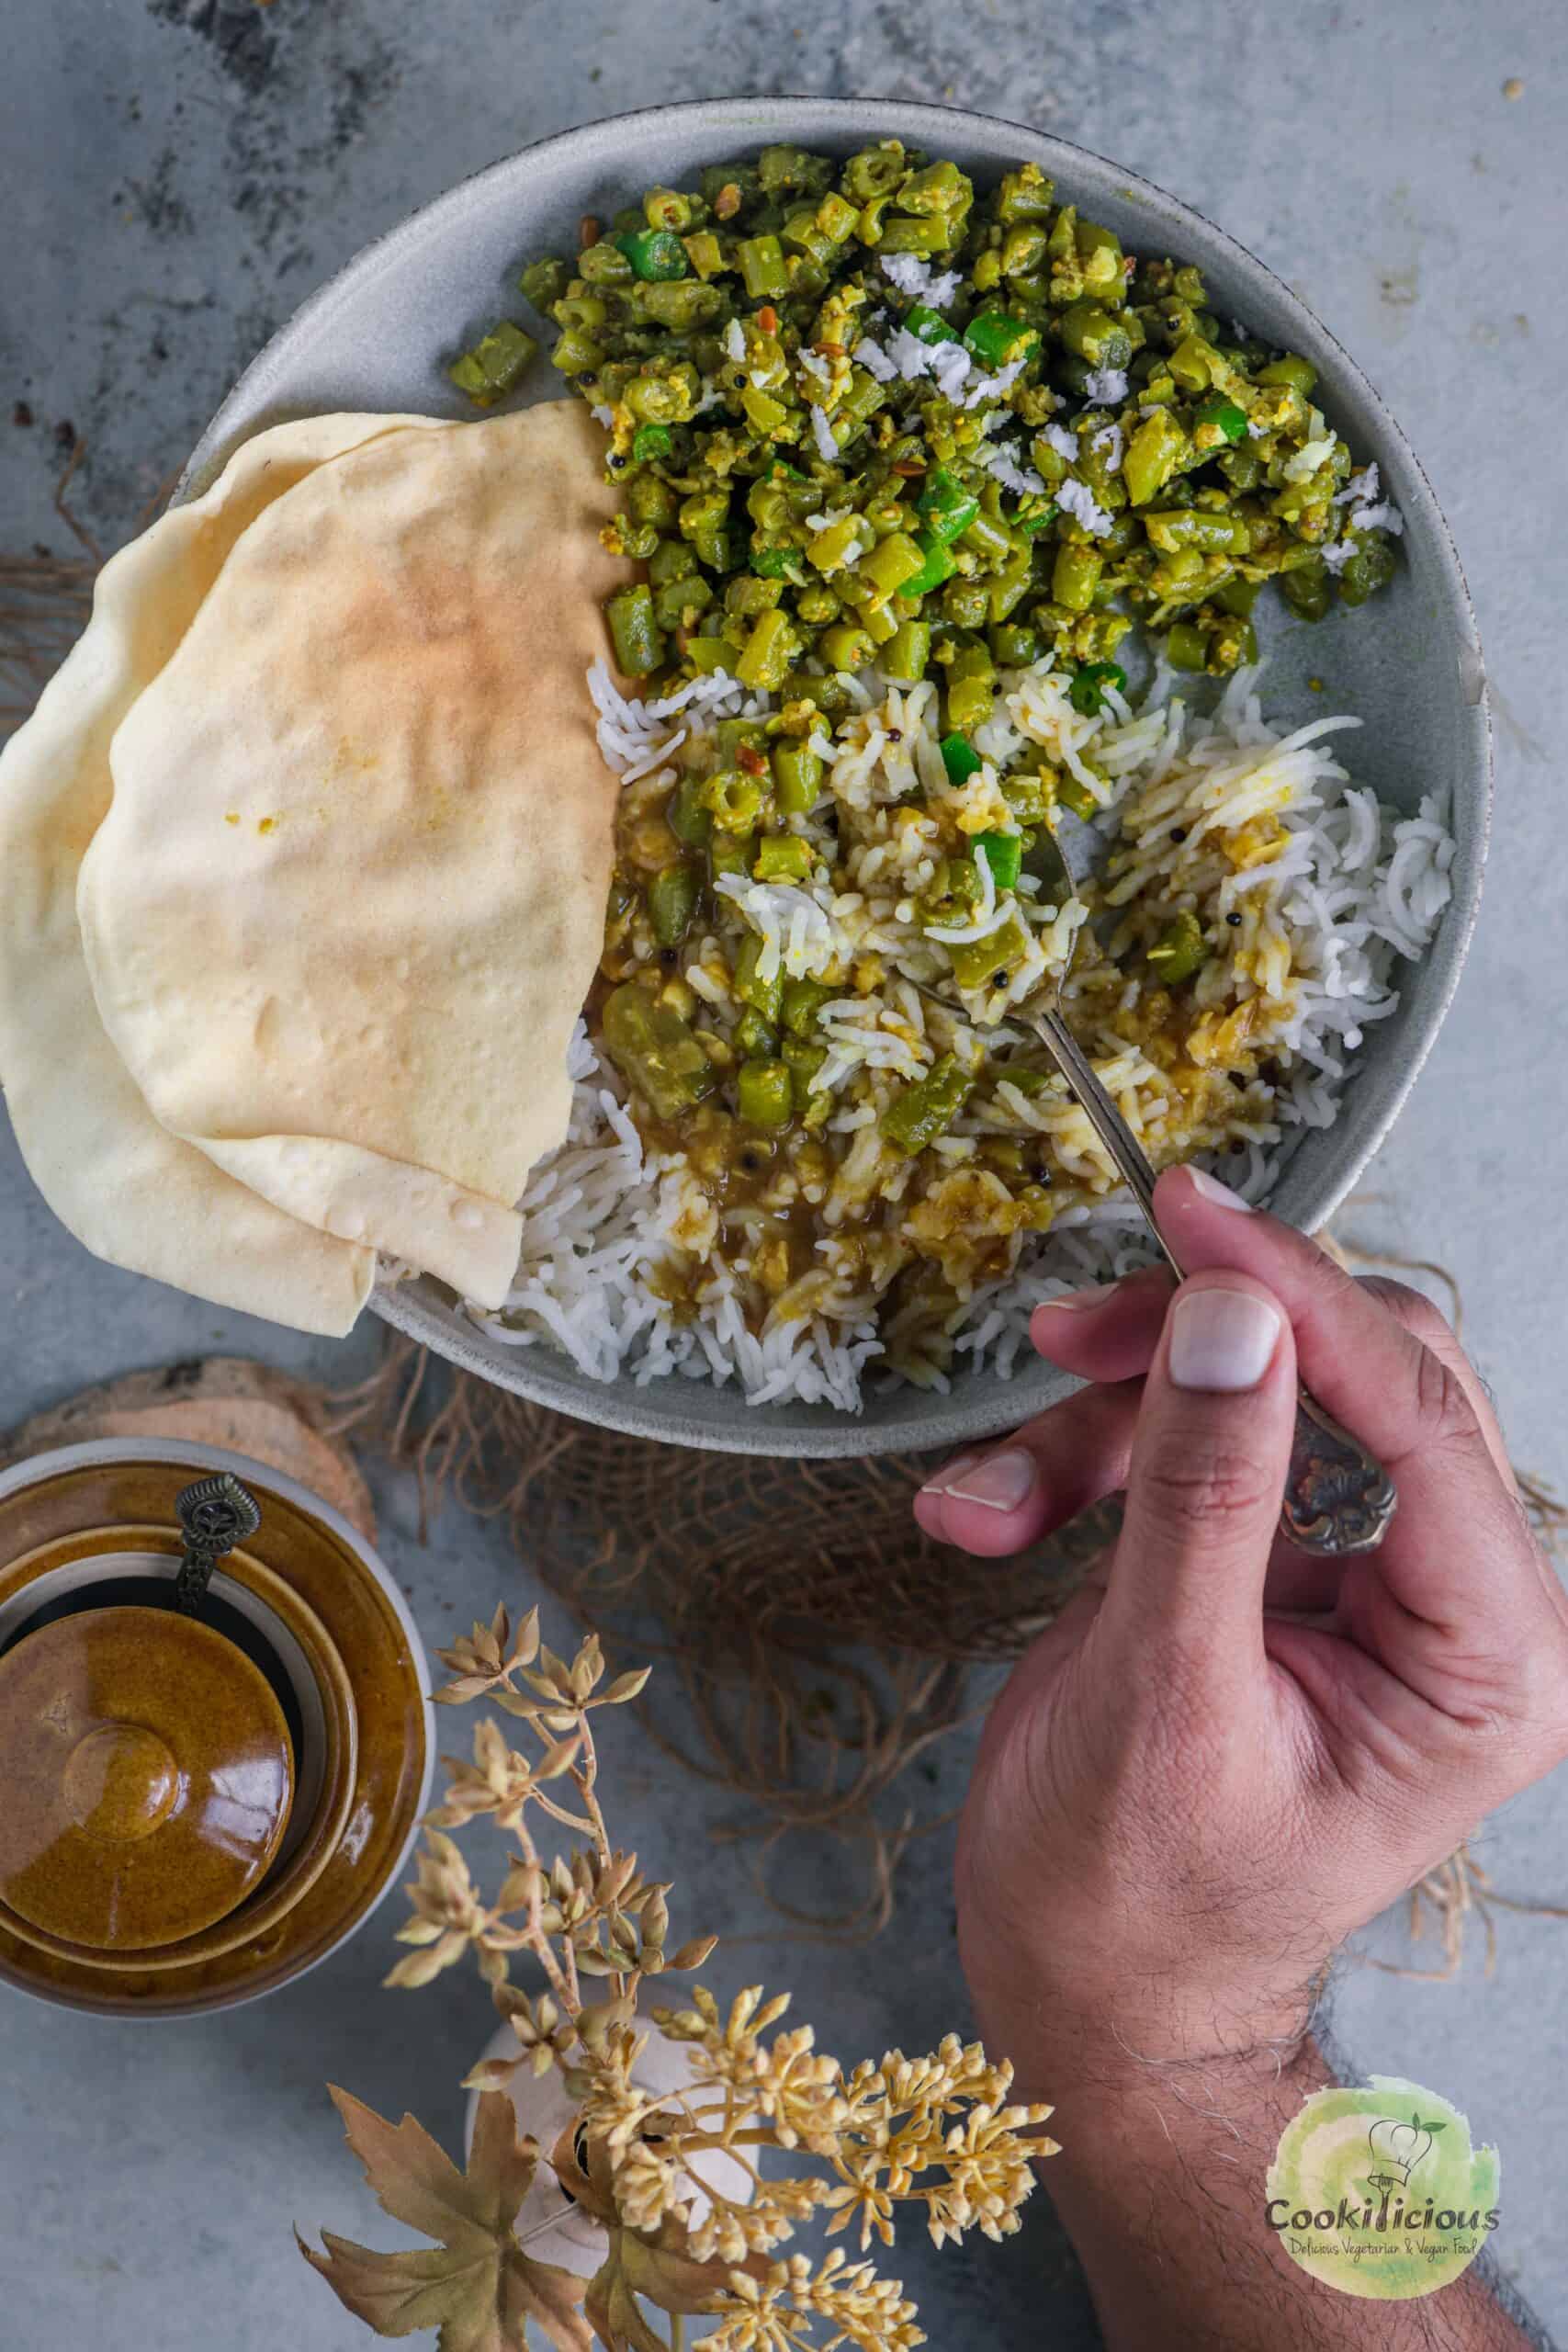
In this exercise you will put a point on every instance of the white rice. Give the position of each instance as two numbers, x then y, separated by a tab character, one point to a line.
1356	889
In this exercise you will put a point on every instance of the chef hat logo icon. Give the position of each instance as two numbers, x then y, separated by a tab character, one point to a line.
1399	2147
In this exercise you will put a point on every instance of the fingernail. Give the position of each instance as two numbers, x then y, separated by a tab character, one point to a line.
1074	1302
940	1484
1001	1482
1221	1338
1213	1190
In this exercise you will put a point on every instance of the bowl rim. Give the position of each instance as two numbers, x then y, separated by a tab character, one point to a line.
979	1410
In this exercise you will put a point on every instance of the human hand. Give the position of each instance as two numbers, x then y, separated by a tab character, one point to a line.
1226	1757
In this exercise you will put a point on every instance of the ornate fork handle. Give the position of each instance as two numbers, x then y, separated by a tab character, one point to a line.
1339	1498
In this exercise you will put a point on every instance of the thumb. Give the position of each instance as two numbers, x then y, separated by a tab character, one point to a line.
1210	1459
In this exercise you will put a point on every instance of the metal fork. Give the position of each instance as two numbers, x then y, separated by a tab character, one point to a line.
1339	1498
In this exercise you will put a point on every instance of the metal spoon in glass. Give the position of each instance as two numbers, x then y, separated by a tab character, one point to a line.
1339	1498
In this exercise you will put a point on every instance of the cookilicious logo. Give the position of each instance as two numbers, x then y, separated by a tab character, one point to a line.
1378	2192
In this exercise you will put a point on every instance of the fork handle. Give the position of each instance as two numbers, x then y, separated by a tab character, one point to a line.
1339	1498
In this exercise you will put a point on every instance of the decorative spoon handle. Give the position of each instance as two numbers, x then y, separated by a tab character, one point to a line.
1339	1498
215	1514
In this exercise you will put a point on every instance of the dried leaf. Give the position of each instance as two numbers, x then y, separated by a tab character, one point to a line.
625	1687
475	2284
557	1759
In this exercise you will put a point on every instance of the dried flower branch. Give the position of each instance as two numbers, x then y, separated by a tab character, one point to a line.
687	2185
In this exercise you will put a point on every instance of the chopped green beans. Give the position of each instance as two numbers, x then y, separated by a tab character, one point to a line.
651	441
764	996
986	963
926	1110
763	266
927	324
634	633
802	1000
655	1052
797	777
784	857
764	1095
495	366
672	902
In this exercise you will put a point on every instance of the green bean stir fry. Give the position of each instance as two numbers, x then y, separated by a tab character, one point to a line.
1027	439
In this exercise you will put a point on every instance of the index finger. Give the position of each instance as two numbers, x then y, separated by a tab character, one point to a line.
1453	1551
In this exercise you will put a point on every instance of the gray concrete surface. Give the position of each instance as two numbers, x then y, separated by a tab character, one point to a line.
175	176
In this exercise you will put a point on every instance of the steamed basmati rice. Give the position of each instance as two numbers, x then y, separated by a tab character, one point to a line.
1318	929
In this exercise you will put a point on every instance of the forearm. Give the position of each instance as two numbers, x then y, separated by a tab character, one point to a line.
1160	2186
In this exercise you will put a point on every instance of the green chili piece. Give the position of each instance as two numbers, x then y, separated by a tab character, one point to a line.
926	324
1003	853
797	777
1223	419
959	757
495	365
920	1112
765	1095
764	996
655	255
762	267
655	1051
1087	693
634	633
775	562
784	857
672	902
938	566
1180	949
908	651
996	336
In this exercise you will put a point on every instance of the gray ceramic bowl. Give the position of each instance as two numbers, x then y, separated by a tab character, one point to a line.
377	337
